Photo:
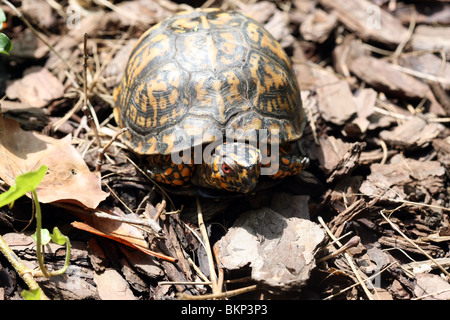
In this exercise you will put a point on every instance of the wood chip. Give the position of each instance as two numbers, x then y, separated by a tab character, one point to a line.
413	134
112	286
428	67
142	13
367	20
442	146
428	38
261	11
402	244
384	77
280	251
365	100
75	284
388	180
40	12
432	287
336	157
335	99
318	25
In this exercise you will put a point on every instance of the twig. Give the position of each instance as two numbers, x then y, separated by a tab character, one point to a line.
353	242
199	272
89	113
357	284
404	41
209	254
220	295
120	11
185	283
101	151
440	95
431	294
385	151
349	260
415	245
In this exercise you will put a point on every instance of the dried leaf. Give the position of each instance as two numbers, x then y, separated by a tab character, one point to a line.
37	88
68	178
123	235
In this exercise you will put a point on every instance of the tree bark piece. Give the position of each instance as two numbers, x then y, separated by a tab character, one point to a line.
279	250
368	21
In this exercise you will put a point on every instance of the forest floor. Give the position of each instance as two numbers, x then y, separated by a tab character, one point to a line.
368	220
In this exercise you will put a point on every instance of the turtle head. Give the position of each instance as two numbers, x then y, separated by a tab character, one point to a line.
234	167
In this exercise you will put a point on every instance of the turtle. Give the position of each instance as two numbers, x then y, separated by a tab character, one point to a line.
211	100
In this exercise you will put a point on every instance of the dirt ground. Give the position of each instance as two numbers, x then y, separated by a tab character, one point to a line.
368	220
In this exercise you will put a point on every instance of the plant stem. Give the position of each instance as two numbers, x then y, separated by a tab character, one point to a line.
21	269
40	255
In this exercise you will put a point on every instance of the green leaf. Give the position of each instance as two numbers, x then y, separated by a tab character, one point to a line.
34	294
45	237
5	44
58	237
24	183
2	18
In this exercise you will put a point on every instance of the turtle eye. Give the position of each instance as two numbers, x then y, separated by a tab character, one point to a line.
226	168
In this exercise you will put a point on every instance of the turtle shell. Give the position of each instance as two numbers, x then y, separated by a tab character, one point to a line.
207	75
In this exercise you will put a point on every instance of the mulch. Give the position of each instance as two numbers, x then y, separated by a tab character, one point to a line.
375	84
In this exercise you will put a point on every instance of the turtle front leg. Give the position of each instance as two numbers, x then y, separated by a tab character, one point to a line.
164	170
288	165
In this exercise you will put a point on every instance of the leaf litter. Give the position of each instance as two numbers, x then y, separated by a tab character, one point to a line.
374	83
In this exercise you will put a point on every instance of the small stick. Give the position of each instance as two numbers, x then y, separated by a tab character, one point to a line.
353	242
415	245
220	270
220	295
101	151
87	112
204	233
357	284
349	260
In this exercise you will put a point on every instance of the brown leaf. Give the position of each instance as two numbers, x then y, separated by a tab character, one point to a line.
122	235
37	88
68	178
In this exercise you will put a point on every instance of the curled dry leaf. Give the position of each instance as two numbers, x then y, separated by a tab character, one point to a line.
68	178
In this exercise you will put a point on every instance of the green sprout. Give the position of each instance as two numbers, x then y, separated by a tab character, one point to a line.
28	182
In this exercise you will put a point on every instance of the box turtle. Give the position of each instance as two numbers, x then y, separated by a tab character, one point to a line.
211	99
